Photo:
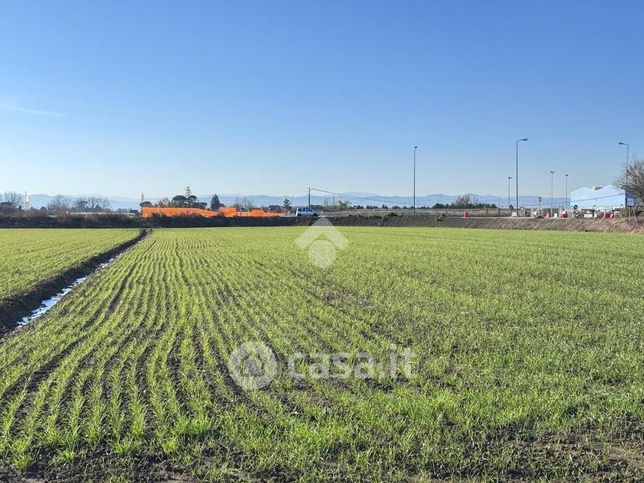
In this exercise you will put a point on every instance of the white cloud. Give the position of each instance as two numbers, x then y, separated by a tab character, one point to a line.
6	105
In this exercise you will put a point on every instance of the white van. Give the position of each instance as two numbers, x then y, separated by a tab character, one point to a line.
306	212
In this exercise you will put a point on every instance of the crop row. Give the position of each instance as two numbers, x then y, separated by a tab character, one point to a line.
522	342
31	256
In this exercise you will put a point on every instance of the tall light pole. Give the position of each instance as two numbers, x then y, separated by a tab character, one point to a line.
517	172
567	204
628	148
552	189
415	148
509	191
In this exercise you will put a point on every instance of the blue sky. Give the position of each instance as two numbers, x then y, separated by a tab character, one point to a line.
250	97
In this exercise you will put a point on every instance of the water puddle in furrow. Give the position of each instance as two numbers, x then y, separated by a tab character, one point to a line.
51	302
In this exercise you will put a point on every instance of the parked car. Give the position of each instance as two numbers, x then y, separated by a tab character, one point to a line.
306	212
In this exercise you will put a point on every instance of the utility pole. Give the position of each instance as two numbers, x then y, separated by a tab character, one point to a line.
552	188
628	148
309	205
509	191
517	172
415	148
567	203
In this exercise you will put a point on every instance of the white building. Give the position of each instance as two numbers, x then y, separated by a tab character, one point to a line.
604	199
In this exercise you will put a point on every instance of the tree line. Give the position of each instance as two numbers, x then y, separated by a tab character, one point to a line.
188	200
11	199
13	203
91	204
461	202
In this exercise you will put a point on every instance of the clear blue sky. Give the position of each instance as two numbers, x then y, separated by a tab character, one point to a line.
120	98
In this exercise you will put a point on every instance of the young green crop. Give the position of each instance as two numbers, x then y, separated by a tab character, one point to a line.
31	256
528	360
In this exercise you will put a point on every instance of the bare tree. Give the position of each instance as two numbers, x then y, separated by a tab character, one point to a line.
13	198
92	203
59	204
632	179
244	204
80	205
462	201
95	204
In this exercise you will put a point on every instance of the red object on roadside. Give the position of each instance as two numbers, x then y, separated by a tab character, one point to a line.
466	214
609	216
564	214
149	212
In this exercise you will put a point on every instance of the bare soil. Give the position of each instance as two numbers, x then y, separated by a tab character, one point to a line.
502	223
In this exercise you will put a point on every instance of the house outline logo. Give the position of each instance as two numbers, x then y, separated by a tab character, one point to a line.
322	240
252	365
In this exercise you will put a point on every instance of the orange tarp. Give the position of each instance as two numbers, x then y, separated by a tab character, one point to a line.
149	212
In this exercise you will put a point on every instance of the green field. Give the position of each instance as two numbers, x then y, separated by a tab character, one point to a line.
30	256
527	360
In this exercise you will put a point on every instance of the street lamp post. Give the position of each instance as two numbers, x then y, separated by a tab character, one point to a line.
516	178
415	148
552	189
567	203
628	148
509	189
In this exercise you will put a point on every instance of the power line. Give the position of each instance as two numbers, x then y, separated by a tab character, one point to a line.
342	195
390	202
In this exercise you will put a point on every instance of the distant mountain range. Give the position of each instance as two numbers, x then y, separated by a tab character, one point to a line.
40	200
